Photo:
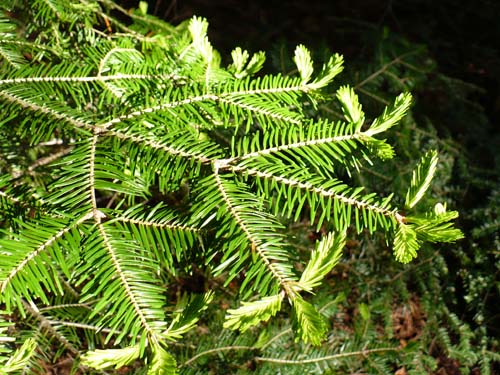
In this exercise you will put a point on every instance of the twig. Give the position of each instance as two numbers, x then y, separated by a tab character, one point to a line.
216	350
363	352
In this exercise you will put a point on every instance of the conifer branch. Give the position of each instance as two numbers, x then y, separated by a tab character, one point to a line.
10	197
160	107
156	145
41	248
124	281
48	325
96	214
73	79
296	145
230	100
26	104
217	350
255	245
144	113
49	159
364	353
150	223
328	193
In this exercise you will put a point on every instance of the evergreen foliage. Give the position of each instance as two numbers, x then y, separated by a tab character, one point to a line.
131	159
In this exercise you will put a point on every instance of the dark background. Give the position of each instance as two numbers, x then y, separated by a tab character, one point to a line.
462	36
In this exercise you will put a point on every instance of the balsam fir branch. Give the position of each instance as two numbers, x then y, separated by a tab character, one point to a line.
128	121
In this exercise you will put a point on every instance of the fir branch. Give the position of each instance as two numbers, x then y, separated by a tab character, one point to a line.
406	243
364	353
145	304
259	109
296	145
157	144
49	159
268	246
323	259
159	107
38	237
46	324
347	196
162	225
11	198
421	178
308	324
82	79
251	313
217	350
44	109
96	214
101	359
147	118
